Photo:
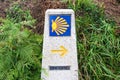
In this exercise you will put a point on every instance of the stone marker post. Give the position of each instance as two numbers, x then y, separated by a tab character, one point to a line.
59	60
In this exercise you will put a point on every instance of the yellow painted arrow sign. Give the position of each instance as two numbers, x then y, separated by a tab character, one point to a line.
62	51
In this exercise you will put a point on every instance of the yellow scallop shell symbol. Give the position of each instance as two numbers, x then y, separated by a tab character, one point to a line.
59	25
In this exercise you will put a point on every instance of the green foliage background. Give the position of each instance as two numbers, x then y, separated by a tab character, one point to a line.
97	44
20	48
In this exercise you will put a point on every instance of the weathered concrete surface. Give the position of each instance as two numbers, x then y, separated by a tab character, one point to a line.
54	43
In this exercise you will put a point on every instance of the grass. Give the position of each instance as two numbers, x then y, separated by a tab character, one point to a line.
98	46
20	48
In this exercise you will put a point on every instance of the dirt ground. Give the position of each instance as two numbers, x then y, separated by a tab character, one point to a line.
3	7
112	10
38	11
38	8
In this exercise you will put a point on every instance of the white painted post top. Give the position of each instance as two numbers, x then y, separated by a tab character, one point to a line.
59	46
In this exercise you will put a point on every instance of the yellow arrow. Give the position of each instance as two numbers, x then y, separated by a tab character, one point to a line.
62	51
